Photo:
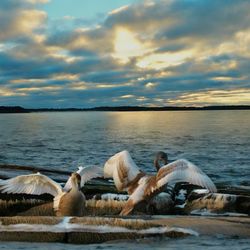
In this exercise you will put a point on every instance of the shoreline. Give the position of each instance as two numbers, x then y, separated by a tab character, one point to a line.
27	226
86	230
19	109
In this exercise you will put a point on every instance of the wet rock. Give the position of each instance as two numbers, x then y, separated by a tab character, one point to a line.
160	204
219	203
82	230
14	207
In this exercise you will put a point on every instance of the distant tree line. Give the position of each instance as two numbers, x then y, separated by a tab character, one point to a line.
18	109
13	109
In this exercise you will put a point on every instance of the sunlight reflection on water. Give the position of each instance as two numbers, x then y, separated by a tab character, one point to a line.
211	139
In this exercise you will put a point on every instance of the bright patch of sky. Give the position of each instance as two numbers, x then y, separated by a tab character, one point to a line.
88	9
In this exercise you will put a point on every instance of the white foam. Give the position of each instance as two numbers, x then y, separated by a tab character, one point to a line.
111	196
162	230
66	226
201	191
181	205
182	195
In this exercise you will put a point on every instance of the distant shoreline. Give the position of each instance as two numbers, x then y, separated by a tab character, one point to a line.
18	109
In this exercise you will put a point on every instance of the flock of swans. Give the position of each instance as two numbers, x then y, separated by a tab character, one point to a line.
140	186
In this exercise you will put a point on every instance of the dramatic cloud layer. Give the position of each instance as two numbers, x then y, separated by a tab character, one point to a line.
151	53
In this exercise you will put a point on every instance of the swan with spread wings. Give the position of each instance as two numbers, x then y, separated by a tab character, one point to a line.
141	186
68	201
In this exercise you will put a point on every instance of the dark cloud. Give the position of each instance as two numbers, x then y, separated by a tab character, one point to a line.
109	77
213	20
29	67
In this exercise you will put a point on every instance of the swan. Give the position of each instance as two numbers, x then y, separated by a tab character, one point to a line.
141	186
68	201
161	157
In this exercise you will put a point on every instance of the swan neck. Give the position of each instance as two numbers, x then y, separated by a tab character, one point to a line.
75	186
156	164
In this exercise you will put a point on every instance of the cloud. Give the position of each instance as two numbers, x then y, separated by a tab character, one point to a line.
20	20
213	97
163	52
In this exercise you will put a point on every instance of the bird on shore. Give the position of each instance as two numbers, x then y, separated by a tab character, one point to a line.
68	201
160	158
143	187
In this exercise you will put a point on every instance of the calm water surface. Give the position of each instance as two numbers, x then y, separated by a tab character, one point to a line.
188	243
217	141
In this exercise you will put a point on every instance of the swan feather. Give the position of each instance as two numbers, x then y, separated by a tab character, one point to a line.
36	184
122	168
86	173
183	171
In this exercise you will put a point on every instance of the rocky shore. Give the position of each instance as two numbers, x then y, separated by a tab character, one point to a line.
31	218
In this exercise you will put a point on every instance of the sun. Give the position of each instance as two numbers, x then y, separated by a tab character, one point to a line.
126	45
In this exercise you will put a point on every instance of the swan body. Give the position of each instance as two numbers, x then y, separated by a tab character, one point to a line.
68	201
141	186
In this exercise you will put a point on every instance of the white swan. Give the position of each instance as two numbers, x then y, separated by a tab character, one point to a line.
141	186
68	201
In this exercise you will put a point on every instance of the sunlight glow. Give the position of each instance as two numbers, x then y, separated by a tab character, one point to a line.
227	78
118	10
164	60
29	20
38	89
113	85
7	92
55	77
79	86
127	96
213	97
126	45
150	85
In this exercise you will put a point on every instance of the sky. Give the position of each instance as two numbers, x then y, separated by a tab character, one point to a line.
89	53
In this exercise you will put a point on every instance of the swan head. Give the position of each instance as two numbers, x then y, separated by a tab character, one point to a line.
76	180
161	159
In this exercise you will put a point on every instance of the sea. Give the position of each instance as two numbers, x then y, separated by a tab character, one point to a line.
216	141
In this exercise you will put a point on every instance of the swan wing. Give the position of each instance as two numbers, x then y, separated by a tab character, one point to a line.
57	200
122	169
184	171
90	172
86	173
137	196
30	184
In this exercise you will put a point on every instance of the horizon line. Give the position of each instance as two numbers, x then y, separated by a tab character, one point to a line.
20	109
